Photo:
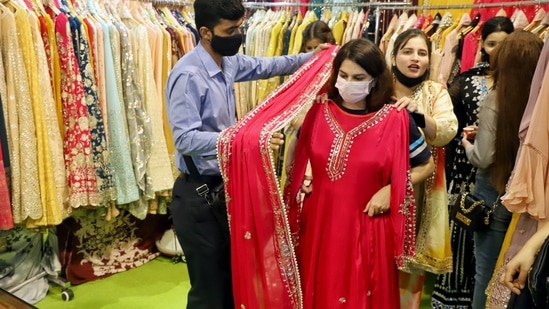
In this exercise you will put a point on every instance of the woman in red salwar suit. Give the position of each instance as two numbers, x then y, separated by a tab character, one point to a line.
348	249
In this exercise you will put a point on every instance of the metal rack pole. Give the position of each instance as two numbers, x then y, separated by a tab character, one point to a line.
468	6
167	2
341	4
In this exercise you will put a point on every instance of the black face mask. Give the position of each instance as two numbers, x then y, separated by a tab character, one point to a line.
407	81
226	45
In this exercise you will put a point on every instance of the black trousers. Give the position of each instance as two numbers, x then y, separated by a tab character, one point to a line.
203	235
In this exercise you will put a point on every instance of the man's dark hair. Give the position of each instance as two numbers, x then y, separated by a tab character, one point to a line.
208	13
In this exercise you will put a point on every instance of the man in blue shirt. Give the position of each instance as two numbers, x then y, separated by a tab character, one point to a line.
200	104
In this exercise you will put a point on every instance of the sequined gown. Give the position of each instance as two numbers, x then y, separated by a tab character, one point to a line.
77	145
53	184
98	145
137	120
120	154
347	258
25	189
455	289
159	162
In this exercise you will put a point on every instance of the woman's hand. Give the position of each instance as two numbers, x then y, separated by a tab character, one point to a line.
380	202
434	68
277	140
322	98
515	272
436	58
470	132
405	102
465	142
307	185
306	188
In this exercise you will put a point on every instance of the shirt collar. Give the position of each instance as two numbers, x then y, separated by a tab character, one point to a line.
207	61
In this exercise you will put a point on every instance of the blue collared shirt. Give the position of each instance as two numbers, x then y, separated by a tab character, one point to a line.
201	100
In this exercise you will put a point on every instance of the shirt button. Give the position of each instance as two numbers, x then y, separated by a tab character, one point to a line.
342	300
369	293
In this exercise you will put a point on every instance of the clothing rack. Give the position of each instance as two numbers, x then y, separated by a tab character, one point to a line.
406	5
167	2
324	5
379	6
469	6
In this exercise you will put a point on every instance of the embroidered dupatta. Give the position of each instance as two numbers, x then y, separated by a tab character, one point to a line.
264	266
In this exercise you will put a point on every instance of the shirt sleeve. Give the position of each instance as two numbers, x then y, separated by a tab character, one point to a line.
482	153
251	68
183	95
445	119
419	151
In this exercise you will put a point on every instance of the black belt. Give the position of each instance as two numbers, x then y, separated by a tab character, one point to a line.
210	180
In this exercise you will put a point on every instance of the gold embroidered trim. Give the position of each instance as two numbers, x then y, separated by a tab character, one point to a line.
343	141
285	251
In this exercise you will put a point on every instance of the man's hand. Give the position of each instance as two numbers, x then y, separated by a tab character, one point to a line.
277	140
321	47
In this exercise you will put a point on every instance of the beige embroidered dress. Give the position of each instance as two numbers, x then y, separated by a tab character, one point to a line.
25	188
433	252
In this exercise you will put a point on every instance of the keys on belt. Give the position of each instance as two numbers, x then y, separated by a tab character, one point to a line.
203	190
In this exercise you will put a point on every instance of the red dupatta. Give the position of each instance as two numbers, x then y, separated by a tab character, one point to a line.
264	266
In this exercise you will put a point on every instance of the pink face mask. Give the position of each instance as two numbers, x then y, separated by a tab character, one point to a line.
353	92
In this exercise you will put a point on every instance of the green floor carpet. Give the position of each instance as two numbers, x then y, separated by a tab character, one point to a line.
159	284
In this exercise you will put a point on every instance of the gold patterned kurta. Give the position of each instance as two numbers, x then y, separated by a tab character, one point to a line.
25	187
55	184
433	251
48	37
159	163
79	165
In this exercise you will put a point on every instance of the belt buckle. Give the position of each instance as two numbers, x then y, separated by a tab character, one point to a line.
204	191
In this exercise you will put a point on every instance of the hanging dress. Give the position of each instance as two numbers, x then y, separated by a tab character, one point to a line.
25	187
99	147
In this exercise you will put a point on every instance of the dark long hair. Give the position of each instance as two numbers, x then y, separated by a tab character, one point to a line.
367	55
406	36
513	71
317	30
495	24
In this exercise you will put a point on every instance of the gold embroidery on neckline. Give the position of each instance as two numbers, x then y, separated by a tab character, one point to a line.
341	146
